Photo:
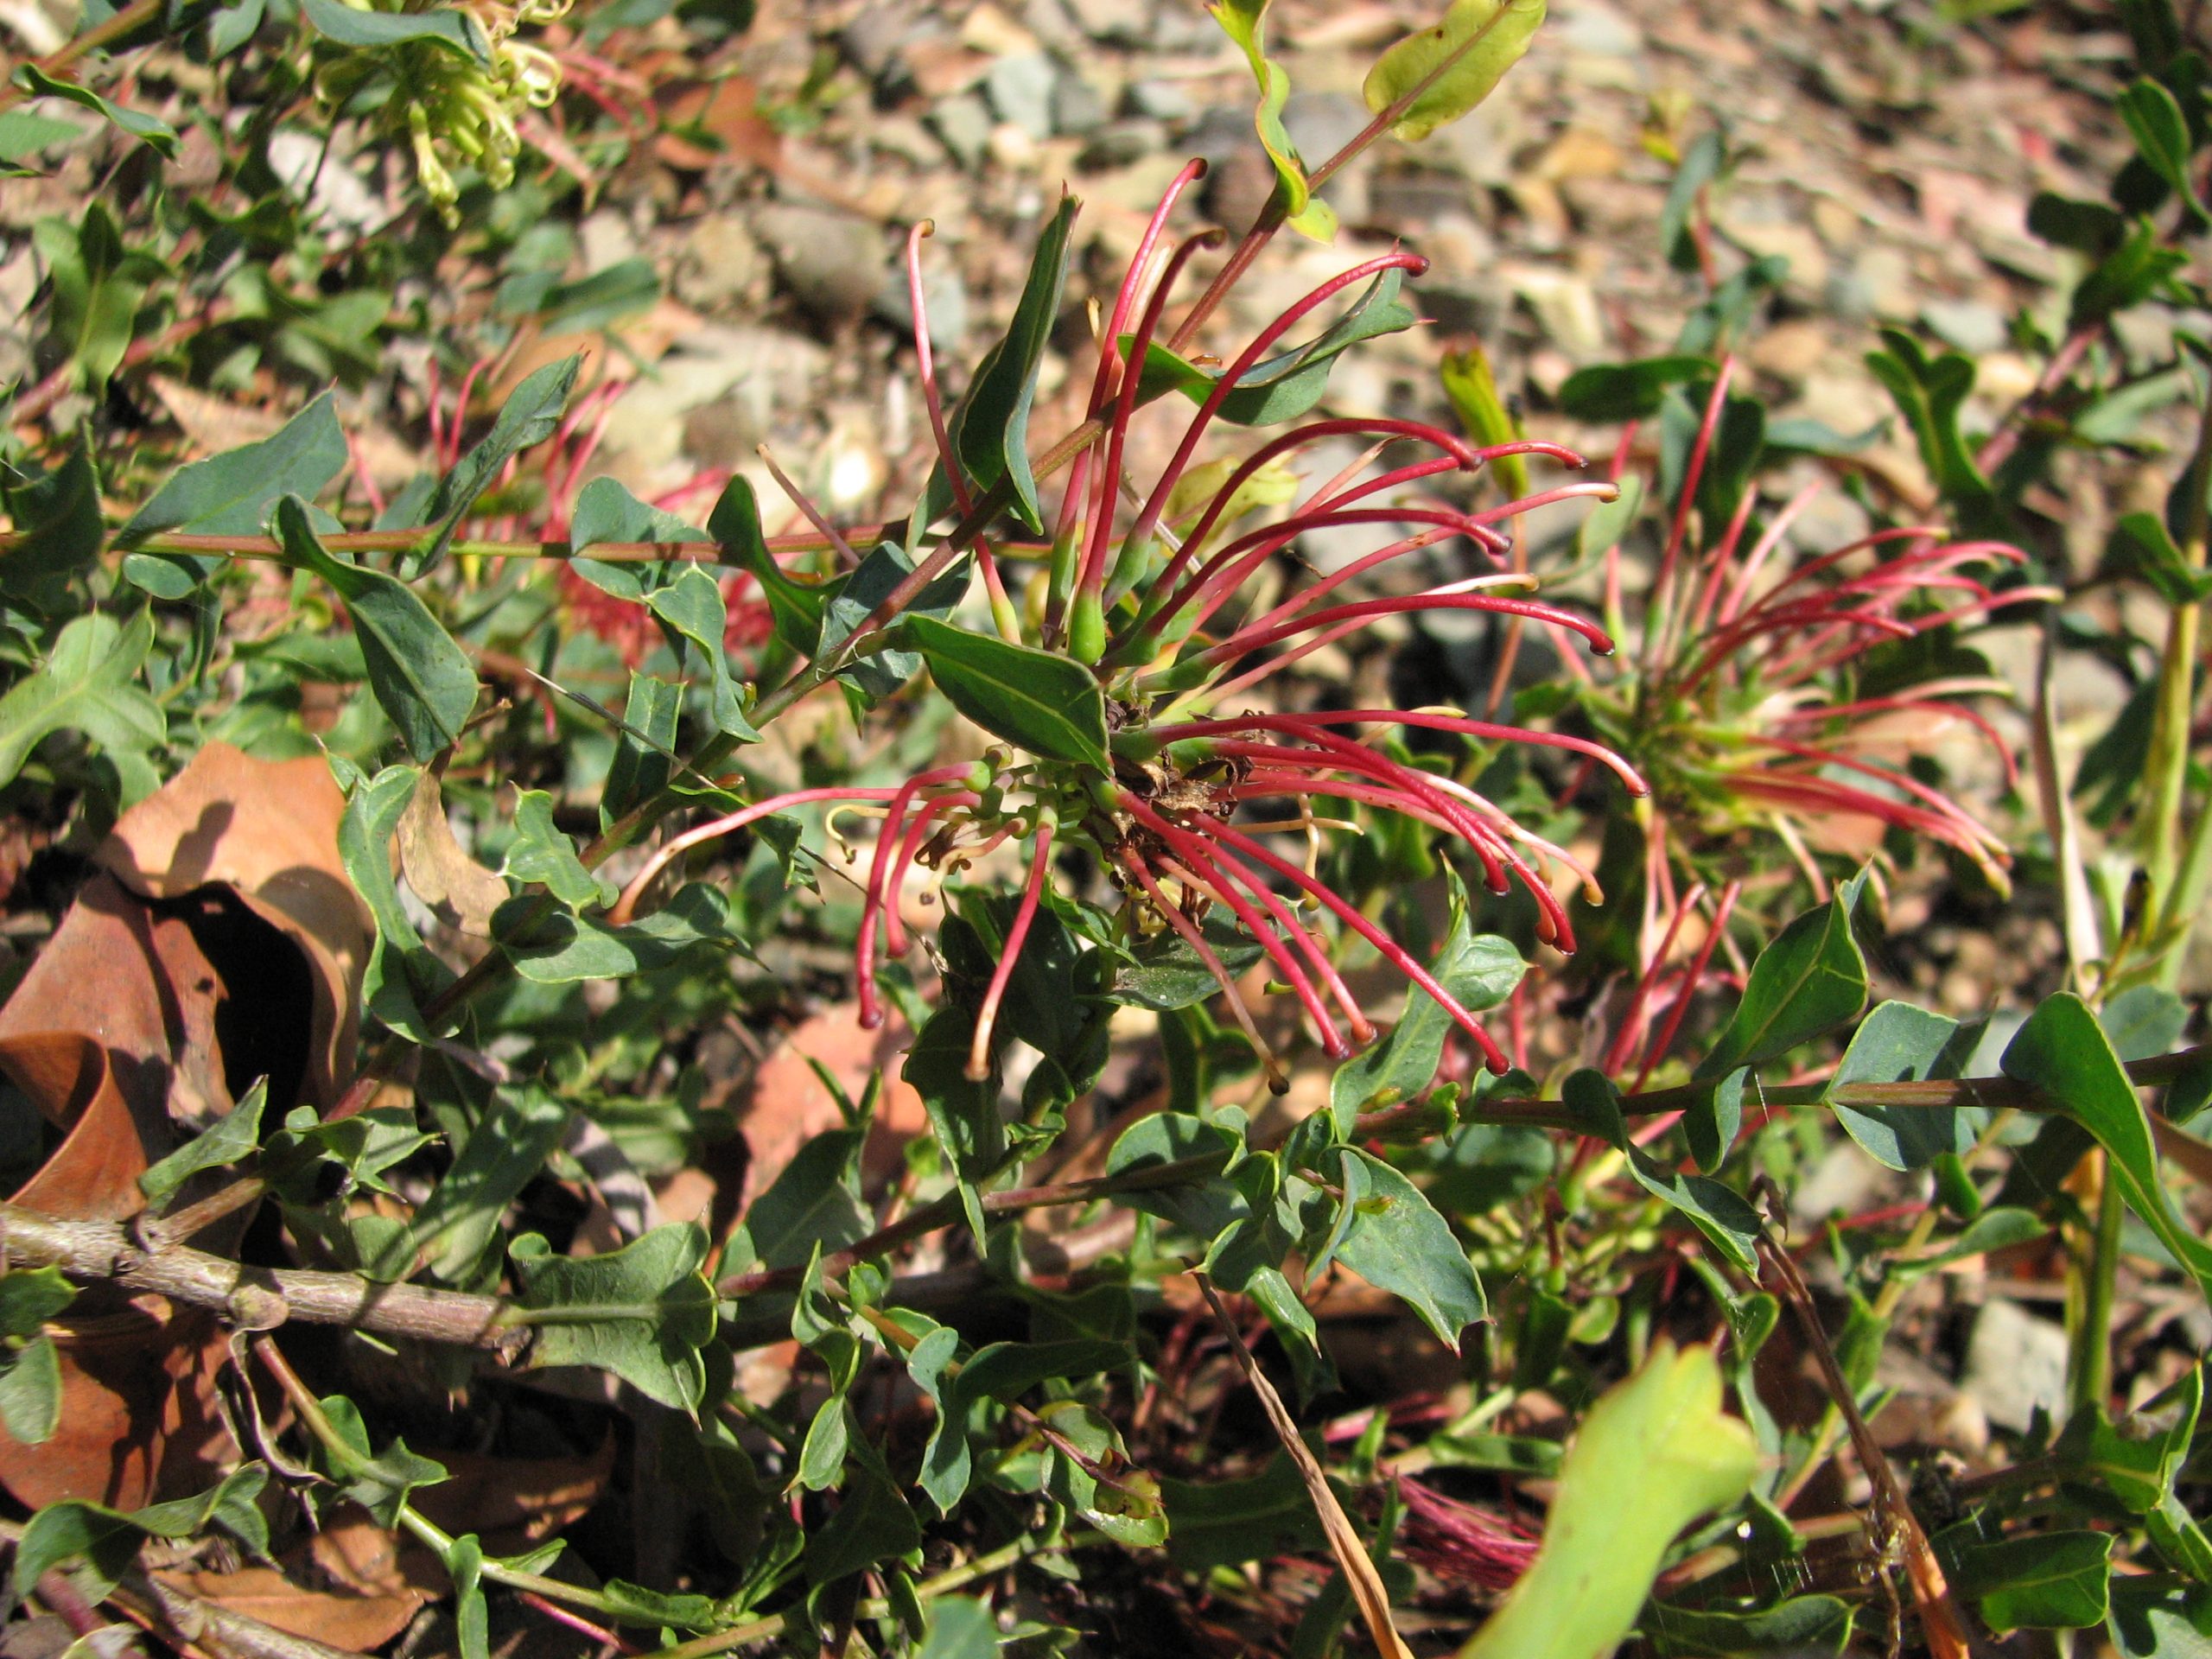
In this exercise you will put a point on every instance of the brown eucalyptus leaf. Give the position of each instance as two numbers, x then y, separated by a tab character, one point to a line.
268	829
443	875
356	1623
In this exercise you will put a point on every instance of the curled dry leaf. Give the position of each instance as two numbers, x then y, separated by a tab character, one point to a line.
442	874
268	829
351	1623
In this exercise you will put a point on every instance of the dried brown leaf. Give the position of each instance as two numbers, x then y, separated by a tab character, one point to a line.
443	875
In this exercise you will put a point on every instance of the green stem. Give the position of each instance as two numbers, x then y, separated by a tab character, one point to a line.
2088	1368
129	20
2167	770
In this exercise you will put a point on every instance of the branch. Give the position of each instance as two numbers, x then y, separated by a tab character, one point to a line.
259	1297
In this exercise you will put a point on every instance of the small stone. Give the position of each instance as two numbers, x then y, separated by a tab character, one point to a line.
2015	1362
871	41
1115	22
1160	100
963	124
830	263
1969	325
1595	29
943	294
605	239
340	194
1120	143
1078	110
1565	307
1878	284
720	267
1020	88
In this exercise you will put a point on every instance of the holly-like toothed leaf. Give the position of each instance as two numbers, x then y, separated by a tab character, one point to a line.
230	495
151	131
107	1539
454	29
1447	69
607	511
542	853
1164	973
1100	1483
1281	388
734	527
691	605
1610	393
89	685
564	948
379	1483
885	670
643	1312
1730	1224
231	1138
1808	1627
530	415
644	746
2041	1581
1898	1043
1480	970
873	1522
1245	22
504	1152
2064	1052
56	516
1049	705
1810	979
421	678
813	1202
990	428
1651	1456
1394	1239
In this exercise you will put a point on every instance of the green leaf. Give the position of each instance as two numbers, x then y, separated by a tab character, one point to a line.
812	1203
1225	1523
504	1152
232	1137
1730	1224
230	27
1804	1627
541	853
1700	165
1245	22
734	527
632	1603
2144	1021
959	1629
1480	970
884	671
57	514
2063	1050
1281	388
423	680
563	949
2131	273
154	133
2048	1581
531	414
872	1522
89	685
30	1392
1472	391
25	133
643	1312
1653	1454
107	1539
1609	392
1448	69
1164	973
1397	1243
455	30
607	511
230	495
1930	393
692	606
1810	979
2154	120
1098	1481
990	428
464	1564
381	1483
963	1115
644	749
1202	1209
29	1297
402	973
2142	546
1898	1043
1036	700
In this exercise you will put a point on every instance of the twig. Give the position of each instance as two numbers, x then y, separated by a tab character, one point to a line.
131	18
259	1297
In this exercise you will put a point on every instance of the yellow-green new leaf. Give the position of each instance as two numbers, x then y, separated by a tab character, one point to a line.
1439	75
1654	1453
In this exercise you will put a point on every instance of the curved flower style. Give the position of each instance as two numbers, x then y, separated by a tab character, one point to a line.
1154	604
1740	698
